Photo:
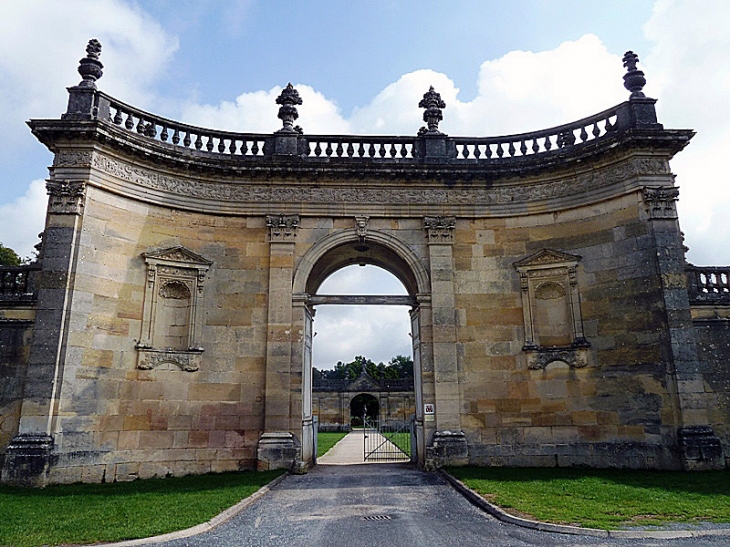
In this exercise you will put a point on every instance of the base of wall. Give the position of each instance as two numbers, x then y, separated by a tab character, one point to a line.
700	448
279	450
28	460
447	448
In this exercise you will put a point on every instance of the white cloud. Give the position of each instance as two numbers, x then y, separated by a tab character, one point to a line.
690	62
41	43
377	332
23	219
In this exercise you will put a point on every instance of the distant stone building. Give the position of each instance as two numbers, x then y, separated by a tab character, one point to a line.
167	325
334	402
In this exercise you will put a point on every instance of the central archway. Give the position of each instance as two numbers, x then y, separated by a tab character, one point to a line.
333	253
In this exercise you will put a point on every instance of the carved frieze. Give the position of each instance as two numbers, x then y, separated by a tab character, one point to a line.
440	229
282	228
65	197
72	159
661	202
298	193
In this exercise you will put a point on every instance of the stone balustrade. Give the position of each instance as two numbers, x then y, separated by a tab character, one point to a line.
709	284
16	282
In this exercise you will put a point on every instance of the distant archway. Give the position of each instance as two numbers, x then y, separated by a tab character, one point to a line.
363	405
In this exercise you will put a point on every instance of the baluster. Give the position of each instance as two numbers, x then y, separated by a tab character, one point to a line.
339	150
393	150
118	117
361	150
255	148
548	144
187	140
328	150
500	150
350	150
371	149
382	150
403	150
488	151
199	142
583	134
209	145
164	135
140	126
129	122
535	146
477	151
221	145
176	136
609	126
232	147
244	147
464	151
511	149
523	148
596	131
317	150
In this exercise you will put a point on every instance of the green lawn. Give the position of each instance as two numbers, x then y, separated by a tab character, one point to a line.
89	513
605	499
326	440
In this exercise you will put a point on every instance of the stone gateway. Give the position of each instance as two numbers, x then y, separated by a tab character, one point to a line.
166	327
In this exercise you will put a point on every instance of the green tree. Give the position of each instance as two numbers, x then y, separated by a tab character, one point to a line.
402	367
8	257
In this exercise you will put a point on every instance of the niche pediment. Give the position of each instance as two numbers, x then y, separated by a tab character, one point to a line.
178	255
546	257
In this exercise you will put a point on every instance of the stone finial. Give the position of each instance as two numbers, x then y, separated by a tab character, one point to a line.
288	112
634	79
432	116
90	67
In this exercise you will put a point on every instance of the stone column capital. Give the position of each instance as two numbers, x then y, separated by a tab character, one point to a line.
282	228
440	229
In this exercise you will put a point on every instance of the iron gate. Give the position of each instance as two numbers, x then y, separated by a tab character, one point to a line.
387	441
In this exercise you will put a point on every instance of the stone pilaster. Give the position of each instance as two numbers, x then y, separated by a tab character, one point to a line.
698	445
278	444
440	232
28	456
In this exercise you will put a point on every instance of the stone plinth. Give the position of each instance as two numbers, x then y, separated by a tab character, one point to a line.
278	450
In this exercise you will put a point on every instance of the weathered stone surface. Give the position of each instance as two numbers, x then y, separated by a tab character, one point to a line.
172	333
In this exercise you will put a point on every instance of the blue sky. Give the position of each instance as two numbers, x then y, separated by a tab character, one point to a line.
502	67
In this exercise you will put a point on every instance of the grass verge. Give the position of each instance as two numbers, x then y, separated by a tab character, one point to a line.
326	440
89	513
606	499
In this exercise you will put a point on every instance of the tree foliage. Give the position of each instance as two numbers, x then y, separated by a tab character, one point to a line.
398	367
8	257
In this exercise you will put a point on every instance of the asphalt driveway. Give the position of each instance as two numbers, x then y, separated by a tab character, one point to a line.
372	505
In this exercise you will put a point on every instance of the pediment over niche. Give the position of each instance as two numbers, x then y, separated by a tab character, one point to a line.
546	257
177	255
364	382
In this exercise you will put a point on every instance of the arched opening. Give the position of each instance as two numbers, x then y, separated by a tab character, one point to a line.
320	283
363	407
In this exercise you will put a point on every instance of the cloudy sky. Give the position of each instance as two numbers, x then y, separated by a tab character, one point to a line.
361	67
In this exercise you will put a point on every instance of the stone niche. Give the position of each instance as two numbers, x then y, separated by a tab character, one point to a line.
551	308
172	314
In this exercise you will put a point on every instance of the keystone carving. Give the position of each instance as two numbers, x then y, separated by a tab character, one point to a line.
661	202
361	224
66	197
440	229
189	361
283	228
